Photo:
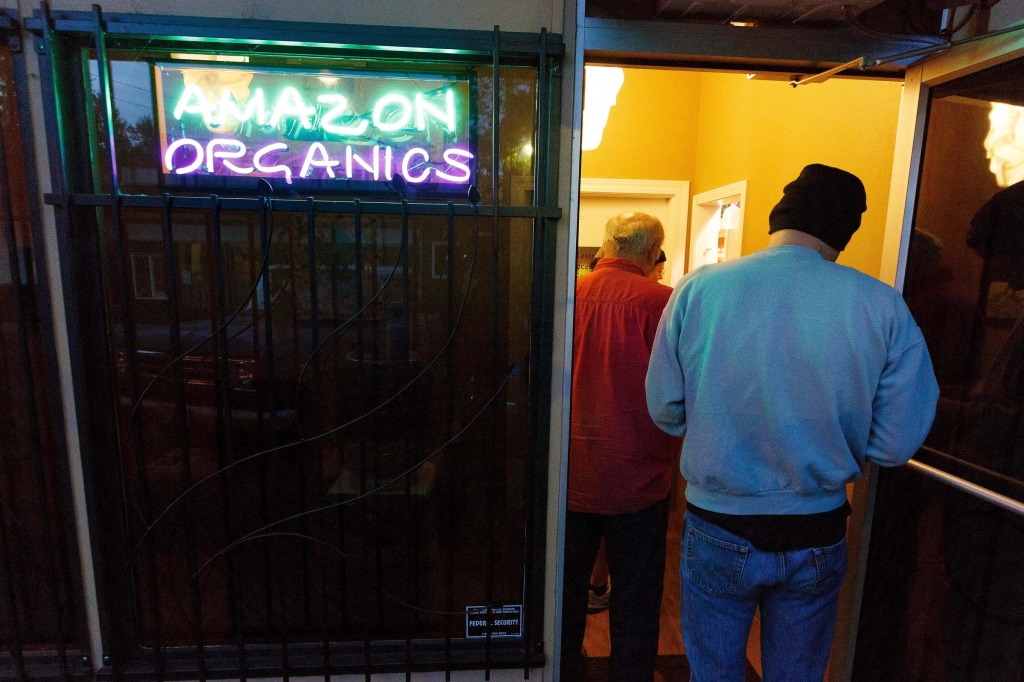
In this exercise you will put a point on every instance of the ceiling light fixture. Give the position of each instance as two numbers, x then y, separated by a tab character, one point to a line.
601	88
241	59
1004	143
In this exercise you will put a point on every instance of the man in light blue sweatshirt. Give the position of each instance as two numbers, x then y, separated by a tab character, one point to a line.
786	373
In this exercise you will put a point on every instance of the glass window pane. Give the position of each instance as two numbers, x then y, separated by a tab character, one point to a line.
150	93
434	519
379	358
965	275
943	599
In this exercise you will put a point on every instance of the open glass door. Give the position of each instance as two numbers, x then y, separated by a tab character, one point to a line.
943	584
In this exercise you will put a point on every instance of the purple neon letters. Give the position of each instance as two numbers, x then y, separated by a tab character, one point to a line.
361	162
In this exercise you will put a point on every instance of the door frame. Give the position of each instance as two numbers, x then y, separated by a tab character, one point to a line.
678	194
959	61
921	77
670	45
733	189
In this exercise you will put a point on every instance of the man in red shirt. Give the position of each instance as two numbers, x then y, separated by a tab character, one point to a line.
620	464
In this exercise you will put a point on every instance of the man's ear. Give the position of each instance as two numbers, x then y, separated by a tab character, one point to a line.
652	257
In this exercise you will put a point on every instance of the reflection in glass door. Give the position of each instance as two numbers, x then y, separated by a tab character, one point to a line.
944	585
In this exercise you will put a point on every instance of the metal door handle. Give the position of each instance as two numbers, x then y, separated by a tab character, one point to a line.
1002	501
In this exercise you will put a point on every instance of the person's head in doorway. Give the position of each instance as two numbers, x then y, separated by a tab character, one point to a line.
824	203
636	237
658	273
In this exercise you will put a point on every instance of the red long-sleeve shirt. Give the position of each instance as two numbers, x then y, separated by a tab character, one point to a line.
619	461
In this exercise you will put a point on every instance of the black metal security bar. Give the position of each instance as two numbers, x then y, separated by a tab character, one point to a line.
251	564
303	38
302	206
41	609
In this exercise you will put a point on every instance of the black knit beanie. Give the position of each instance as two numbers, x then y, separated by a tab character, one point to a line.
824	202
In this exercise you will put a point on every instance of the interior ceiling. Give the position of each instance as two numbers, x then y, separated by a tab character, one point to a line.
896	17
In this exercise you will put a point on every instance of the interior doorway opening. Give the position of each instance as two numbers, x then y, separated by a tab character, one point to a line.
731	141
717	233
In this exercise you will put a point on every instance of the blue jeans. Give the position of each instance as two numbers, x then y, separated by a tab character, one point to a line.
724	579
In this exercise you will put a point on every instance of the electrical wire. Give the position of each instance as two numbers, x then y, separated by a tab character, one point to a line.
474	197
259	532
302	536
358	314
273	299
857	26
950	32
245	303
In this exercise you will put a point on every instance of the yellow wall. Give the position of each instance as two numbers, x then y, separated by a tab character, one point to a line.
764	132
714	129
652	129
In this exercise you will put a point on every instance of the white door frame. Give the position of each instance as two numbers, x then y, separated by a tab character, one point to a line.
676	191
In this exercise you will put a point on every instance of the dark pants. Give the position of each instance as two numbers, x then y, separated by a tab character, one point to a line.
635	544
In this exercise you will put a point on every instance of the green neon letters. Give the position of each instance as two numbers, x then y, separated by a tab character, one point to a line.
389	105
316	126
255	104
290	105
327	122
186	106
423	107
391	113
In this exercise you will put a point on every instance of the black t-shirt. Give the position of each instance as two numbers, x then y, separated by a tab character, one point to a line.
782	532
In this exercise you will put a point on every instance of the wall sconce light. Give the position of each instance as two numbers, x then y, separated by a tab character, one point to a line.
601	88
1004	143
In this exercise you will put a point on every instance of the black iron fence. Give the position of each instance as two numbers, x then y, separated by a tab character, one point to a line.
313	429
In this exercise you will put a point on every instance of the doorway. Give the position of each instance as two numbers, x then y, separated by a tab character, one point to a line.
604	198
735	140
717	225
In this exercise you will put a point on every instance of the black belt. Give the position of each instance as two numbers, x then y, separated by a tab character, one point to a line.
782	532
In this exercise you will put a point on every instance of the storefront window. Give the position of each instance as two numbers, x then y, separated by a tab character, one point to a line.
325	380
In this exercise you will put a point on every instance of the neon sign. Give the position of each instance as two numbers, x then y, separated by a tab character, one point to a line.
296	125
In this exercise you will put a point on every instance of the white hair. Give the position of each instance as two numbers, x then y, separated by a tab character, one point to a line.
632	236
